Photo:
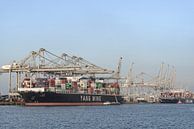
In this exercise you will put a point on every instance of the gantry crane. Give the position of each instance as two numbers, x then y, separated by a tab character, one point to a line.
44	62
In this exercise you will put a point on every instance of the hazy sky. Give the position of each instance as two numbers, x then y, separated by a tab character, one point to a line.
146	32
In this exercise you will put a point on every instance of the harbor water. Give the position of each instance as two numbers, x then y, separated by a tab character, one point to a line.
127	116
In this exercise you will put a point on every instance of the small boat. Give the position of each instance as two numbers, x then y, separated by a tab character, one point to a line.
107	103
111	103
179	102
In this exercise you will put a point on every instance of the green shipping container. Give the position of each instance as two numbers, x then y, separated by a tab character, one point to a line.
68	85
98	85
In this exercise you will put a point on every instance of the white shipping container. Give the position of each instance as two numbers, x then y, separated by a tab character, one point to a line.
100	81
57	82
63	86
83	83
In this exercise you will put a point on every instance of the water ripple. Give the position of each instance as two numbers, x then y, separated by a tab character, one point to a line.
148	116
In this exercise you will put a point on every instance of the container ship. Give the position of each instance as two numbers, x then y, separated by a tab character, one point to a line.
70	91
176	97
43	78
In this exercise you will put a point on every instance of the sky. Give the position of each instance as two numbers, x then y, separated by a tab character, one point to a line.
144	32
